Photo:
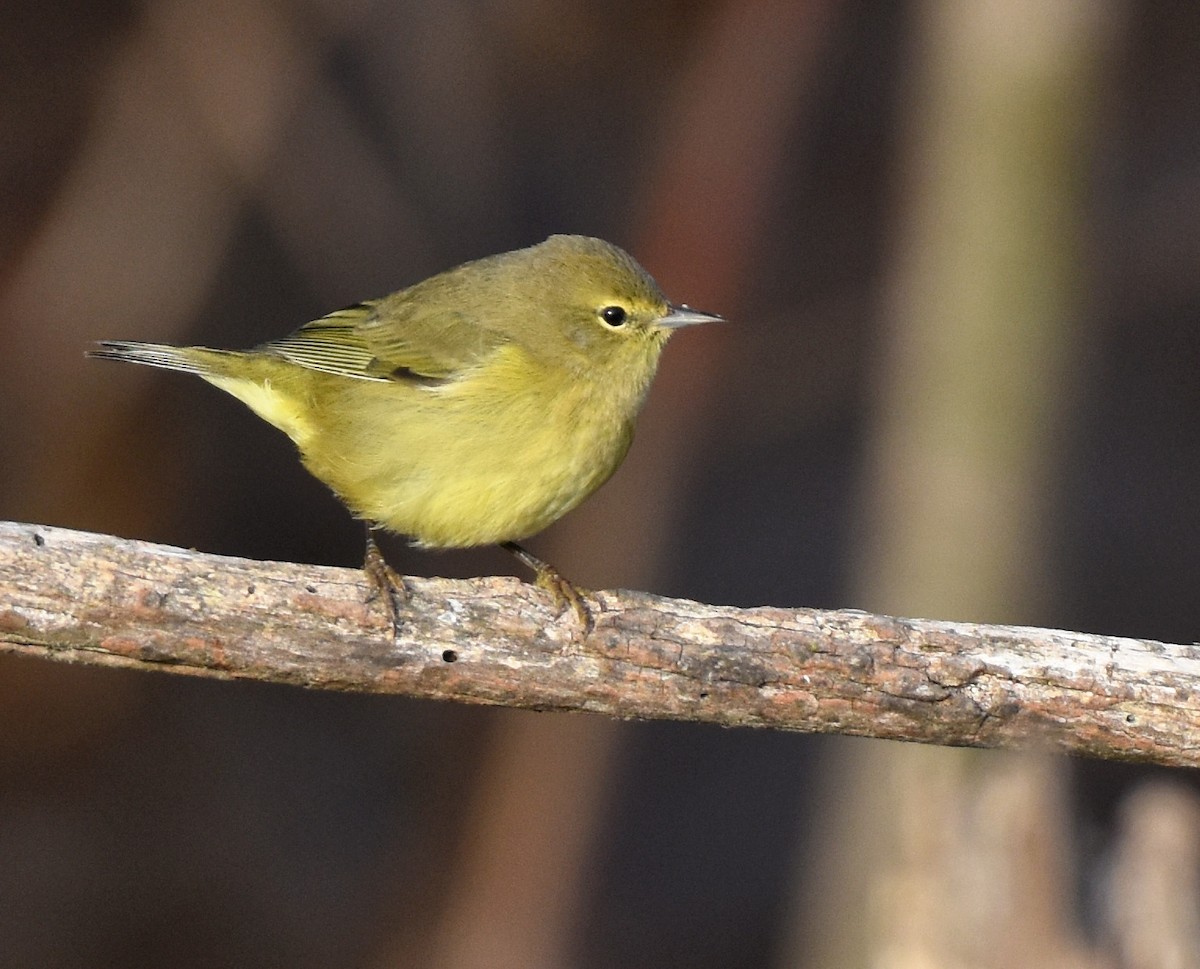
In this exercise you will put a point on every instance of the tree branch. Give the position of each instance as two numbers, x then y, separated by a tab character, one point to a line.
86	598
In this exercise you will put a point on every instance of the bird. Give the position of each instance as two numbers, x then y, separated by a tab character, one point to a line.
473	408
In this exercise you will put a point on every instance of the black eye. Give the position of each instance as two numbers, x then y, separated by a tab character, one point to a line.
614	316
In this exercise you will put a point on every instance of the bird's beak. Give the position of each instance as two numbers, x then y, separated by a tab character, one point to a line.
684	315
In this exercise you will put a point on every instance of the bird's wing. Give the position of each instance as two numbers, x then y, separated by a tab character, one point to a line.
331	344
399	343
433	338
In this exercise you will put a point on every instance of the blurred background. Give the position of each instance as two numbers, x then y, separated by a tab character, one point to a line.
959	247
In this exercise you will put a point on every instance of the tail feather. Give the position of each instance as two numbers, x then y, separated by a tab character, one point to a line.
186	359
245	375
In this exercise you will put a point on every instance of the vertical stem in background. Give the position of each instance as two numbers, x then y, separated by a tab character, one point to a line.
1153	906
187	121
522	870
987	279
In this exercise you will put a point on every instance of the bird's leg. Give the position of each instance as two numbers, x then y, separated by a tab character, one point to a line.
387	581
549	578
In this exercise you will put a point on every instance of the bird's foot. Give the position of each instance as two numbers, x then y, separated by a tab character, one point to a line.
388	583
546	576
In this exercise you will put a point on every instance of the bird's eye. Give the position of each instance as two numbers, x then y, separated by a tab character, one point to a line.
614	316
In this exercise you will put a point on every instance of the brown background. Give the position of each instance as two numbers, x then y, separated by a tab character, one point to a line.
959	246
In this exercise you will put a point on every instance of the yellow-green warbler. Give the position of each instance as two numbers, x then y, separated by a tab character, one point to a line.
473	408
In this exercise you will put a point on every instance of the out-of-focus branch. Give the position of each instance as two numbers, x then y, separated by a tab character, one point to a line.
87	598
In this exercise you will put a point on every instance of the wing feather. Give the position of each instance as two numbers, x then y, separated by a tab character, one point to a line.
389	339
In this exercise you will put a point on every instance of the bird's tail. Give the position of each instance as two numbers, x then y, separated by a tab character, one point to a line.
253	378
197	360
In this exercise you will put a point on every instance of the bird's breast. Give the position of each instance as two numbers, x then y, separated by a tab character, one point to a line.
496	454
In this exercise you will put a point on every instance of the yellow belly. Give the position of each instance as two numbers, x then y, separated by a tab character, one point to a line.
466	463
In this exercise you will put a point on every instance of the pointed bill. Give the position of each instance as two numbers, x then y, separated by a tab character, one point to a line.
684	315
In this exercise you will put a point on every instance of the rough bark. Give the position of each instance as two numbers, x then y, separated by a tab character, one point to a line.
86	598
